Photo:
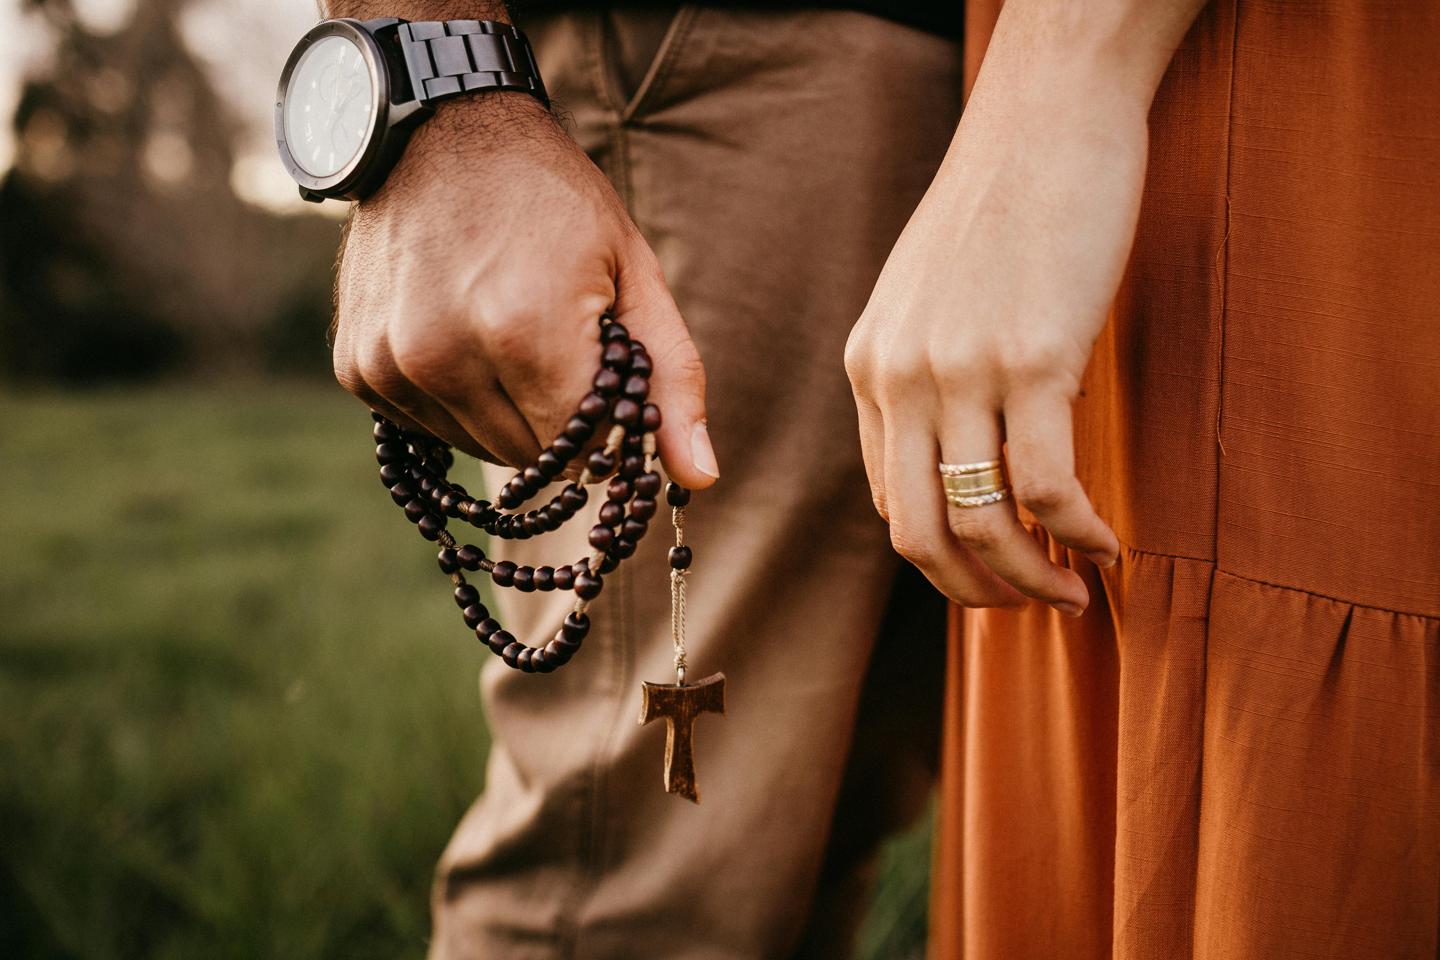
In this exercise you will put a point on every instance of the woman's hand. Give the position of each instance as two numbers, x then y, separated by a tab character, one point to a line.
470	286
982	323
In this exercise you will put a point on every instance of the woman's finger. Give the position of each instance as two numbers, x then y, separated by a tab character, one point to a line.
1040	453
872	451
971	434
917	520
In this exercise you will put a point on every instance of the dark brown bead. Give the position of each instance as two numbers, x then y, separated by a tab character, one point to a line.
588	585
511	654
415	509
633	529
564	577
618	490
558	653
475	614
470	556
636	388
564	448
633	443
525	579
626	412
579	430
611	513
642	508
450	504
601	536
632	466
611	560
385	431
616	356
545	578
429	485
447	458
393	473
487	628
396	452
647	484
498	641
573	497
680	558
549	464
556	515
525	660
613	331
534	479
640	362
600	463
518	531
594	406
507	498
576	626
607	383
531	524
466	595
503	574
449	560
460	492
403	492
430	526
479	512
541	662
623	548
650	418
676	495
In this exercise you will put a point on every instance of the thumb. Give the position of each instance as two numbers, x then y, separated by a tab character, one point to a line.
677	385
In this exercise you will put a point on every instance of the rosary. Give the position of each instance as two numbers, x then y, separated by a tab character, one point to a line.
413	465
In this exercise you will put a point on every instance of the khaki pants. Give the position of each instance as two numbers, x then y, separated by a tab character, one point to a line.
771	159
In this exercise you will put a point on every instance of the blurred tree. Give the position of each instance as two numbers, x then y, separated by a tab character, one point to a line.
124	252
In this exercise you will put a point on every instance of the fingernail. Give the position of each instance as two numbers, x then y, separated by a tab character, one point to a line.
1069	609
702	453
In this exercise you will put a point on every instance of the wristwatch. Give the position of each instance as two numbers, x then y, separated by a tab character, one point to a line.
353	91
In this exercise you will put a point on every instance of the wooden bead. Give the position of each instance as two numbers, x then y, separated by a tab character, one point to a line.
632	466
430	526
540	661
564	577
613	331
449	560
579	430
470	556
594	406
545	578
415	509
503	574
650	418
588	585
524	579
573	497
393	473
575	627
558	653
647	484
499	641
636	388
623	548
524	659
633	530
680	558
402	493
565	448
475	614
511	654
385	431
466	595
601	536
480	513
626	412
616	356
450	504
387	453
676	495
640	362
534	479
600	463
608	382
642	508
611	559
611	513
549	464
487	627
618	490
634	442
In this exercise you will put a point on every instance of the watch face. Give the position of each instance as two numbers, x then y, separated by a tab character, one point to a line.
329	106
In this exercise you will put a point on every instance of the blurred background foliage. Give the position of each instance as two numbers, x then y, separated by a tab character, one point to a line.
235	718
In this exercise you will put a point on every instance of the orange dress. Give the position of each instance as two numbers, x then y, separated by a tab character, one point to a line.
1235	754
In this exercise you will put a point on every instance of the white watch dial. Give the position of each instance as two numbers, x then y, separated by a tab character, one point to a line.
328	106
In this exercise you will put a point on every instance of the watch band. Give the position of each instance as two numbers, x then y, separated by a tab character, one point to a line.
446	58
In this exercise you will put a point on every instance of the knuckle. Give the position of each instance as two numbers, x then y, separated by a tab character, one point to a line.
1041	495
913	548
415	357
978	532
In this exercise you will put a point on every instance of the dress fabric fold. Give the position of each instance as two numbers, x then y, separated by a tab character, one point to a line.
1235	752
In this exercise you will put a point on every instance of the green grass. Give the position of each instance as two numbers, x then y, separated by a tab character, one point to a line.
237	718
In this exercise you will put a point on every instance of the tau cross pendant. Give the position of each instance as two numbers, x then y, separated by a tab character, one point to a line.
679	704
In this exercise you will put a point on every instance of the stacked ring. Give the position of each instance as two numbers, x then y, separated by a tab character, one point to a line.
974	484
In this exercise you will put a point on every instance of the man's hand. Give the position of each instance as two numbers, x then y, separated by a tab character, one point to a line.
470	285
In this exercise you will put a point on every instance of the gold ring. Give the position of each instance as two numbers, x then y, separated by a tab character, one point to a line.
974	484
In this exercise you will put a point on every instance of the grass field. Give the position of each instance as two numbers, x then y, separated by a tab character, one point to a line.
236	718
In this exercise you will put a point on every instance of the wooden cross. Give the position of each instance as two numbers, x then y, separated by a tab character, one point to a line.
679	705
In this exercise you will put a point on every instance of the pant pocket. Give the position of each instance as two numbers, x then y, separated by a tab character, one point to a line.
639	48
